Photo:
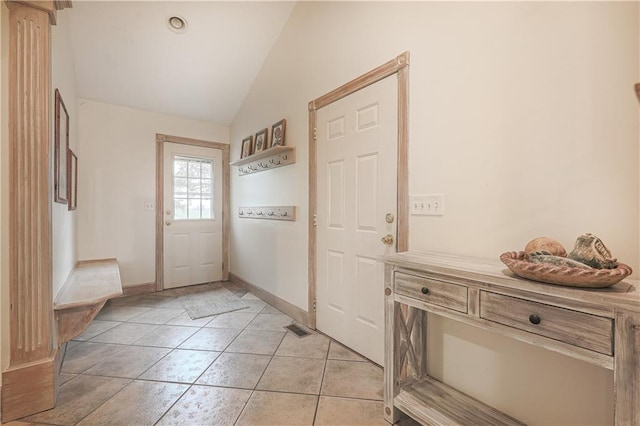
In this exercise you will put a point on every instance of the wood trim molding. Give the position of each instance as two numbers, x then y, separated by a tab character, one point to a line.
136	289
400	66
385	70
313	208
226	200
282	305
159	204
403	159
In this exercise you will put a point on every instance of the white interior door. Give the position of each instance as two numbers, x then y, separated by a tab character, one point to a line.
356	209
192	215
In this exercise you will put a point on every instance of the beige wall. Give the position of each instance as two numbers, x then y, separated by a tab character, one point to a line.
63	221
116	176
522	114
4	189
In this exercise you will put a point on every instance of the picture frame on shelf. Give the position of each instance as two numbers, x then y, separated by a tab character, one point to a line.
72	187
277	133
61	146
262	139
247	147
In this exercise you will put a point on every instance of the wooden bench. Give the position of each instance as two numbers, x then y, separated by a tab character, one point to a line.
89	285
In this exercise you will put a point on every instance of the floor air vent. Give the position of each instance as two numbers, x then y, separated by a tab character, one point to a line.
297	330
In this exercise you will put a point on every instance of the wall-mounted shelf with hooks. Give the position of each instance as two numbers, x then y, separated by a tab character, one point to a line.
271	213
271	158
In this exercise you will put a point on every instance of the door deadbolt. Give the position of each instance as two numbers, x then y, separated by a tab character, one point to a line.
389	218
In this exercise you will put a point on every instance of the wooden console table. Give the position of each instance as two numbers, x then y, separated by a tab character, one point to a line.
600	326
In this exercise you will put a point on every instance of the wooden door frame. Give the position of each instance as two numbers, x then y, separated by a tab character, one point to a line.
400	66
226	185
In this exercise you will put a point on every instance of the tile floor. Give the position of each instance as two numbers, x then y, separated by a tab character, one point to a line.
143	361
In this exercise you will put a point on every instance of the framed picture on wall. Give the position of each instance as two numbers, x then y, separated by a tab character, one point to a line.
277	133
72	187
247	144
261	140
61	146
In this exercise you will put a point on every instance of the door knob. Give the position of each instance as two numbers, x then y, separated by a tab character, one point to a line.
387	239
168	223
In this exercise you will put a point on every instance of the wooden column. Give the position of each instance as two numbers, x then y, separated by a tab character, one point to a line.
29	382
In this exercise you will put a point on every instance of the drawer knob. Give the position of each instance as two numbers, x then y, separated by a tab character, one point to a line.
425	290
534	319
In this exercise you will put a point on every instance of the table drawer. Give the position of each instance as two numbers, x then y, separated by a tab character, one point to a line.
440	293
576	328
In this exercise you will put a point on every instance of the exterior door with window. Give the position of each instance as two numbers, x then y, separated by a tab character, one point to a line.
192	215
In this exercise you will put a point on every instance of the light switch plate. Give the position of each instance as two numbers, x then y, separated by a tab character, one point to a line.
427	205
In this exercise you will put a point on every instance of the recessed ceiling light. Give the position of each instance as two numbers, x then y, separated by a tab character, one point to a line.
177	24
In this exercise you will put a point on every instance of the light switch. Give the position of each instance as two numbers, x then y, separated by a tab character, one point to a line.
427	205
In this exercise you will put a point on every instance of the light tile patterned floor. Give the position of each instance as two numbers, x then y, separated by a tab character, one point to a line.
143	361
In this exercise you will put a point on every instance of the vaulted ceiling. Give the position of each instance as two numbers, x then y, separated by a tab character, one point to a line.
125	54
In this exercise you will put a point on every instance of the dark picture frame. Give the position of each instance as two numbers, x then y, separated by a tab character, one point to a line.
247	147
277	133
61	146
262	140
72	187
